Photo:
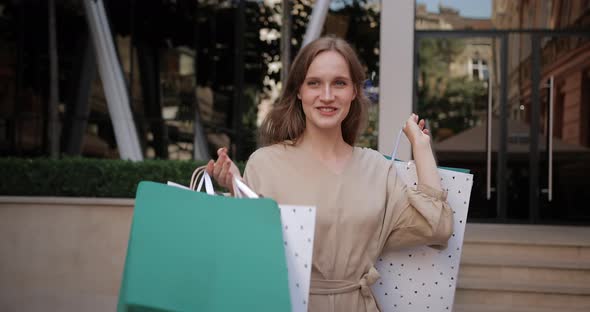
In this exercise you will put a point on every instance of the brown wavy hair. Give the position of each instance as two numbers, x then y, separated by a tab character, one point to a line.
286	120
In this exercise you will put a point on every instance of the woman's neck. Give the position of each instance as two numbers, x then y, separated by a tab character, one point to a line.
325	145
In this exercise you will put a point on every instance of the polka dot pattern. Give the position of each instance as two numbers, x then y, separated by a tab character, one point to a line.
298	235
423	278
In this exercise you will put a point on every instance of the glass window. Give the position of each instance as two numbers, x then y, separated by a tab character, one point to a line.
456	102
485	73
501	14
480	69
358	22
192	76
464	110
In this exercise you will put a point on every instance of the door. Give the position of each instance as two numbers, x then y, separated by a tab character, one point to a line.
458	90
562	73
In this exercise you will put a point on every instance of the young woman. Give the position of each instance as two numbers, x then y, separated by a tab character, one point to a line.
309	158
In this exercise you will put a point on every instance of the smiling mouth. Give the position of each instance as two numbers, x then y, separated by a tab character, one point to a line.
327	109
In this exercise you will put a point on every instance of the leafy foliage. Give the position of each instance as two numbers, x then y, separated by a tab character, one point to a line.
87	177
453	104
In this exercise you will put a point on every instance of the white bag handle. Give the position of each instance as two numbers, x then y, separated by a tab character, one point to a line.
241	190
200	174
399	135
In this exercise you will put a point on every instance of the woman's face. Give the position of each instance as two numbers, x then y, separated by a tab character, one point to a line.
327	91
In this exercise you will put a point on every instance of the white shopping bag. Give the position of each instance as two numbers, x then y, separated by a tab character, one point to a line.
298	234
424	278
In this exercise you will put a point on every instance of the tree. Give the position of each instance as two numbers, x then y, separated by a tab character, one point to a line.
452	103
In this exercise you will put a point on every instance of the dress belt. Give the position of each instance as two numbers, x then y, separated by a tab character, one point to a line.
332	287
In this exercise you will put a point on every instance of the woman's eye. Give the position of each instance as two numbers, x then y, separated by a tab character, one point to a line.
340	83
312	83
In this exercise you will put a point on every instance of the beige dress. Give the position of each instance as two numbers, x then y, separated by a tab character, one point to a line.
360	212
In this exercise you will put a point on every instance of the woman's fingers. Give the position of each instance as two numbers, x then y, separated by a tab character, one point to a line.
228	180
217	167
210	167
414	119
214	167
221	159
222	151
411	123
415	129
224	169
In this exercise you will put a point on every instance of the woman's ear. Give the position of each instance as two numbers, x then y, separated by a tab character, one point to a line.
298	96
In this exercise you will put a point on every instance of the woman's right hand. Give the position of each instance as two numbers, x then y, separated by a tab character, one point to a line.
223	169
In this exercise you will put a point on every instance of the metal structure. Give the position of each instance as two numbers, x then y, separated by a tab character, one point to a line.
113	81
316	21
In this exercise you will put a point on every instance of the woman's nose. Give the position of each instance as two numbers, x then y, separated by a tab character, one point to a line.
327	94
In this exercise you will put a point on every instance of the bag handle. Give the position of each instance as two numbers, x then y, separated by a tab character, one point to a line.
396	145
241	190
200	174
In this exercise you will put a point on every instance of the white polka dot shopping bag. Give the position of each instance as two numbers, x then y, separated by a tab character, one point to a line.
298	234
424	278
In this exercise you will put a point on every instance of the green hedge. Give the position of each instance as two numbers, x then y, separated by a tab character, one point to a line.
85	177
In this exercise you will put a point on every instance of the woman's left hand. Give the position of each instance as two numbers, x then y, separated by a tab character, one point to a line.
415	131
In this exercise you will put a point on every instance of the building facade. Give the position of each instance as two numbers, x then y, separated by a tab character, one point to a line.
508	100
505	93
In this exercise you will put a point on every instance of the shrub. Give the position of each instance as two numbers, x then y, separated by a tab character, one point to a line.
86	177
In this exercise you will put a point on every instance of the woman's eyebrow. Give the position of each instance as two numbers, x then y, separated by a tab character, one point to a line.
337	77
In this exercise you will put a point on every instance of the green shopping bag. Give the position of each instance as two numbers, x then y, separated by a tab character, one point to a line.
190	251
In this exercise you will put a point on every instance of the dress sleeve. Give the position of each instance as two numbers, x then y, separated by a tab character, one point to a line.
415	216
251	174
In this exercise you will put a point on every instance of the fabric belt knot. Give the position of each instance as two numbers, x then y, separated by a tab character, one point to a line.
332	287
367	280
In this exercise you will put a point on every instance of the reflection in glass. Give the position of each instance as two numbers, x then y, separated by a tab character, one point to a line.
454	81
564	116
502	14
518	142
453	15
358	22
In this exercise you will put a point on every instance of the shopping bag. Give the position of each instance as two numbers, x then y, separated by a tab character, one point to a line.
192	251
298	226
424	278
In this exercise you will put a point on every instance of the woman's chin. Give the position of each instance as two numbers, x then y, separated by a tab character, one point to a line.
327	125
